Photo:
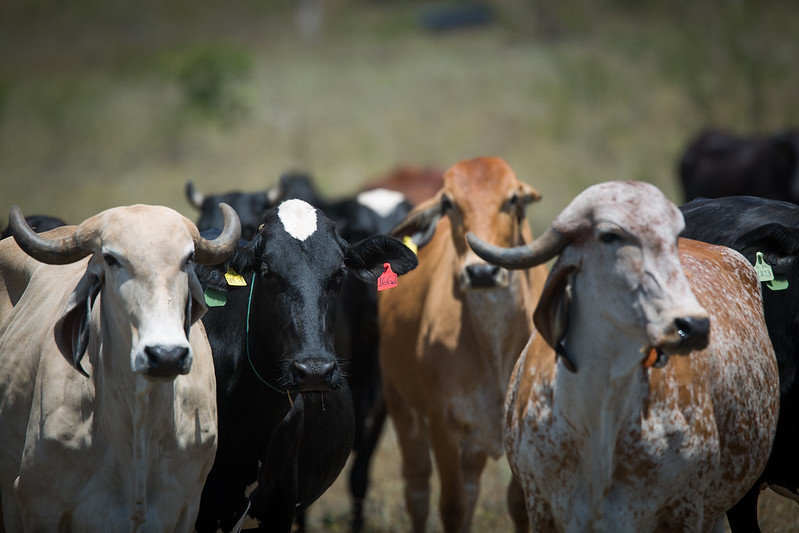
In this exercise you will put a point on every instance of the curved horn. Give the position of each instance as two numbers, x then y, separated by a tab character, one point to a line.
52	251
214	252
528	255
194	196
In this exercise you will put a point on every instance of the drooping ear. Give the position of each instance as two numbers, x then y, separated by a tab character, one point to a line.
195	303
551	316
420	224
72	329
365	258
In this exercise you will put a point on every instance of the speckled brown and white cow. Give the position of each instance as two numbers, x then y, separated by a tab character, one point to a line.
450	333
603	431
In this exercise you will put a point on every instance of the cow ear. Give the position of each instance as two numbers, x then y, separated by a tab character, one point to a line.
420	224
72	329
195	303
551	316
365	259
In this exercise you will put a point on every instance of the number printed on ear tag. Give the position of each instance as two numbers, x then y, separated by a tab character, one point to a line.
234	279
764	272
388	279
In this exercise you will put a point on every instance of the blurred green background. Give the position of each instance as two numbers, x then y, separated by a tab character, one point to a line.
114	102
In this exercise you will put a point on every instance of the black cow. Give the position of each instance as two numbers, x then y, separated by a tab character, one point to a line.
41	223
356	218
285	412
751	225
717	164
250	206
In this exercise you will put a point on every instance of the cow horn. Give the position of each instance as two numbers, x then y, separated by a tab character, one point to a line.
194	196
52	251
528	255
214	252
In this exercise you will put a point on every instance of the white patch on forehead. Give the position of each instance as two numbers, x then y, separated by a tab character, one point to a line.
381	201
298	218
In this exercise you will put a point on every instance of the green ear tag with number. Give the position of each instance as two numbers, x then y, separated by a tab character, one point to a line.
214	297
762	268
779	283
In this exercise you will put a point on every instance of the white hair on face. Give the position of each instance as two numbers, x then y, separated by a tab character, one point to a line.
381	201
298	218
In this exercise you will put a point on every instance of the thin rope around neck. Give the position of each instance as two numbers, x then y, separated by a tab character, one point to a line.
247	337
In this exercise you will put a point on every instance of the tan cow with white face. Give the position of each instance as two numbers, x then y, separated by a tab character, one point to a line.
107	390
603	430
450	333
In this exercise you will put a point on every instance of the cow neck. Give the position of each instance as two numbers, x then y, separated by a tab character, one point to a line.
138	413
495	320
247	346
607	394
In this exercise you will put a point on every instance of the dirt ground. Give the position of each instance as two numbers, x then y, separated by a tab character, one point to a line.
385	511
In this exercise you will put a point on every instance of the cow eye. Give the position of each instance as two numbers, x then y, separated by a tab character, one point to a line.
446	204
610	237
110	260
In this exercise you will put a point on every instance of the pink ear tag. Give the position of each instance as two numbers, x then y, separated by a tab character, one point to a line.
388	279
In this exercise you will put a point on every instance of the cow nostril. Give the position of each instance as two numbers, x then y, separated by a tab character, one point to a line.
692	327
314	376
483	275
167	361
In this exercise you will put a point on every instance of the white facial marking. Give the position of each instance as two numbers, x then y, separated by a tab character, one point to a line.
298	218
381	201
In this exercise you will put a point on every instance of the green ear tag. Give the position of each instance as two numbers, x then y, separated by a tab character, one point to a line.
214	297
762	268
779	283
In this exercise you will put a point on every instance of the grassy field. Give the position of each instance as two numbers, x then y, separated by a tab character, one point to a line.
113	103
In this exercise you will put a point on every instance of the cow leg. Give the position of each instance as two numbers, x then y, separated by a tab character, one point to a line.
743	515
517	507
459	471
359	475
472	464
415	454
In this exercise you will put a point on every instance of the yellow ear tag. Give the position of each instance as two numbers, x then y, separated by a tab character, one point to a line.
762	268
407	241
233	278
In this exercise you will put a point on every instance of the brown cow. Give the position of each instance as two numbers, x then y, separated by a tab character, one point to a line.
450	333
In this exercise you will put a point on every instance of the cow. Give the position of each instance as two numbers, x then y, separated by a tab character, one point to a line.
751	225
285	411
717	164
370	212
107	402
449	335
605	429
38	223
249	207
417	183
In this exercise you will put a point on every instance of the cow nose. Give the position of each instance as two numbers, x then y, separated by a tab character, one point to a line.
483	276
313	376
693	331
167	361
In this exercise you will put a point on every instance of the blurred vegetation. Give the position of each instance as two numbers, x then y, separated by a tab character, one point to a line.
112	102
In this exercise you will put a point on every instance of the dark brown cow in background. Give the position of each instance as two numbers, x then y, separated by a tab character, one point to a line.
450	334
718	164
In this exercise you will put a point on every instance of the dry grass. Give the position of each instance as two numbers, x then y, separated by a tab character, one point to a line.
93	113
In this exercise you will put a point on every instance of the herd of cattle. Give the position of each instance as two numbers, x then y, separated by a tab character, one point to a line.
158	374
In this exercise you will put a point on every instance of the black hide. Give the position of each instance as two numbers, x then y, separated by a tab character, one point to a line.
718	164
750	225
292	316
